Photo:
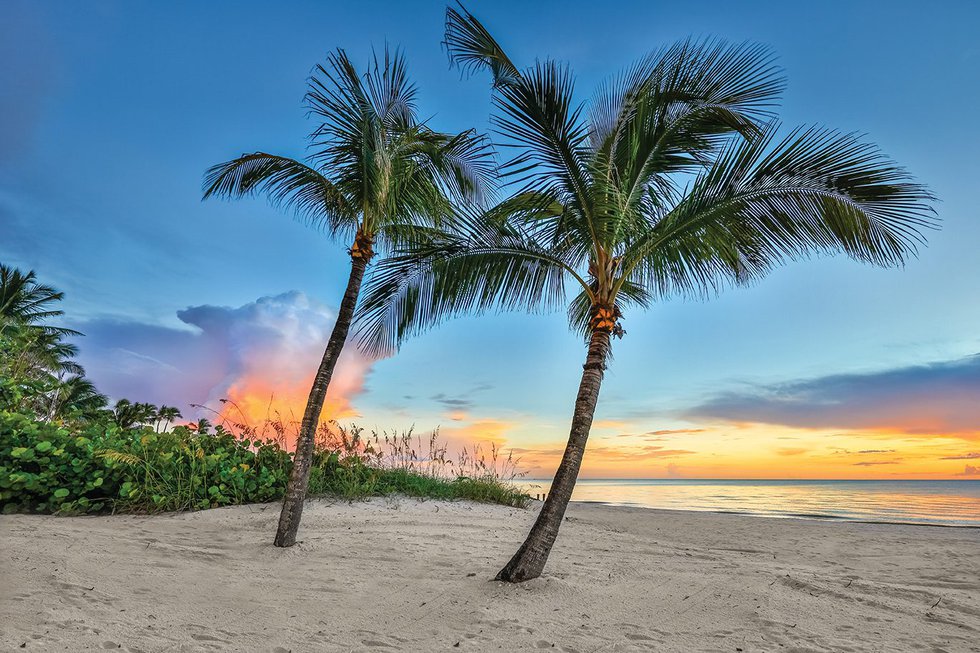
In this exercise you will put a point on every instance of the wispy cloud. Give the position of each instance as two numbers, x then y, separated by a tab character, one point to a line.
791	451
658	436
453	403
602	459
609	424
645	452
965	456
675	431
458	406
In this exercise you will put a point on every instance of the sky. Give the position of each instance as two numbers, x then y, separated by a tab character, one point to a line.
111	111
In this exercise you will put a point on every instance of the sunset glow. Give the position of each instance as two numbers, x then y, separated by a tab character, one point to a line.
489	325
628	448
252	399
823	369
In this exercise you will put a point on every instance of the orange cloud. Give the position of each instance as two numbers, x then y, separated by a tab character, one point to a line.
608	424
790	451
757	451
964	456
675	431
271	349
485	432
600	460
279	388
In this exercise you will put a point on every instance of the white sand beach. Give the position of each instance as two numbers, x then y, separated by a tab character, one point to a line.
404	575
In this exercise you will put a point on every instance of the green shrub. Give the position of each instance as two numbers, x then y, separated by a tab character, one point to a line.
186	470
46	468
102	467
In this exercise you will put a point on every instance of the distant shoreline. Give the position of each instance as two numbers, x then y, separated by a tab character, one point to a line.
768	480
915	502
801	516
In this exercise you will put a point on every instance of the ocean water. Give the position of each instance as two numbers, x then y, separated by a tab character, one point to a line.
950	503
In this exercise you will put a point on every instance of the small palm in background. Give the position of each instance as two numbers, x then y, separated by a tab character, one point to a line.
38	371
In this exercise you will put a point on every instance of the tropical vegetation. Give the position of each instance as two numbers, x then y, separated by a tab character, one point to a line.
80	456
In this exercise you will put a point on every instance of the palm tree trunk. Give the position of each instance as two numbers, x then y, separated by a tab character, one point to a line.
530	559
299	478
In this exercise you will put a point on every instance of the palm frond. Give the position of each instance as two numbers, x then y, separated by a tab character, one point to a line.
391	92
471	47
23	299
669	114
452	275
759	205
463	163
379	157
536	112
288	184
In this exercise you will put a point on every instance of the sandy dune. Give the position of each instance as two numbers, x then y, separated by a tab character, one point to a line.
408	576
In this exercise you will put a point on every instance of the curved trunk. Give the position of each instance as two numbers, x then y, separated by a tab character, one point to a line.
530	559
299	478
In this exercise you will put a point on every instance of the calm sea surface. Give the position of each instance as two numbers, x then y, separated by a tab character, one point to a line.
918	502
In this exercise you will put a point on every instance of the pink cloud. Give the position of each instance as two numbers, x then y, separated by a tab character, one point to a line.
265	350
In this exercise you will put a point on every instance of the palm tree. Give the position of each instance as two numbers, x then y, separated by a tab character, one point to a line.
377	176
24	301
77	396
127	414
671	182
167	415
34	357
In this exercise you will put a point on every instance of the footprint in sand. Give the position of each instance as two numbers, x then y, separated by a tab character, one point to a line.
208	638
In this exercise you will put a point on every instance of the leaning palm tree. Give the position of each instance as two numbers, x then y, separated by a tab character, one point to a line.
377	176
671	182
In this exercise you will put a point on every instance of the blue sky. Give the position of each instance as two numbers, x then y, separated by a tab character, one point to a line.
111	111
